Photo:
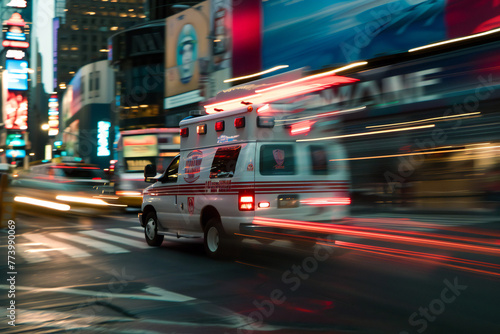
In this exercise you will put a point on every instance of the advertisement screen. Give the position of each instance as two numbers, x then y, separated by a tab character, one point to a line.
337	32
16	111
187	49
140	146
15	154
18	74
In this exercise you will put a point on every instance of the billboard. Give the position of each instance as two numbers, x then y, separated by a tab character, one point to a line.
221	30
323	33
326	33
187	51
140	146
15	116
17	72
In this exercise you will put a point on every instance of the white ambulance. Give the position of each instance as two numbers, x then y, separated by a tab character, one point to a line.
239	165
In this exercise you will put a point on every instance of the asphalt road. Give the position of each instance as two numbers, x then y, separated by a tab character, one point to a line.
391	274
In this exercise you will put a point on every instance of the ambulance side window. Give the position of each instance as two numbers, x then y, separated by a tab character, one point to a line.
224	162
319	160
171	172
277	160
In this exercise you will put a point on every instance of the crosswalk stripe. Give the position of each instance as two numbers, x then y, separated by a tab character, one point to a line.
120	240
105	247
138	228
31	257
56	245
135	234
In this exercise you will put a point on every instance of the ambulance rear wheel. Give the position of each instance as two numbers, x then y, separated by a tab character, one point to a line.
216	241
151	230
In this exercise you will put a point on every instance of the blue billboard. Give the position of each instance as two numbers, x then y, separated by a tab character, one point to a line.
17	74
326	33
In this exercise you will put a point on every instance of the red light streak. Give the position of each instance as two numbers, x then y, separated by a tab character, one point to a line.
327	201
301	127
358	232
419	256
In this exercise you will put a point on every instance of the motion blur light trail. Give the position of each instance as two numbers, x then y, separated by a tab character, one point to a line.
420	256
480	242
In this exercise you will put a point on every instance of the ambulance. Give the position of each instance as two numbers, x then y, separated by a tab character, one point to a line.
241	164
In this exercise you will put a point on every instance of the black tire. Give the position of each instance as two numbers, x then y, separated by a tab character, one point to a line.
216	241
151	230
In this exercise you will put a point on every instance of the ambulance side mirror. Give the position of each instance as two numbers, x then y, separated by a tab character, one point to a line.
150	172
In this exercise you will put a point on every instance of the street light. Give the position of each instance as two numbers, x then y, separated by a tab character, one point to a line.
45	127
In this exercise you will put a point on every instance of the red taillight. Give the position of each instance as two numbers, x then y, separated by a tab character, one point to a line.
239	122
219	126
184	132
246	201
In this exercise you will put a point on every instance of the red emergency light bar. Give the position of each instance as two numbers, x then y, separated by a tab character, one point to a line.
15	44
310	84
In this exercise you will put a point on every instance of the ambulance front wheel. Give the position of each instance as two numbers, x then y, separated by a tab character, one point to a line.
216	241
151	230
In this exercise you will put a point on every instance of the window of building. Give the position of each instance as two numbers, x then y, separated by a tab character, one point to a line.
97	77
91	84
82	86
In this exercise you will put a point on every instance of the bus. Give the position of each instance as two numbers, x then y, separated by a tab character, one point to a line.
136	149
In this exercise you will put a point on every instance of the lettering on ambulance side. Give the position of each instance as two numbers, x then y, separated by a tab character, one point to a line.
222	139
220	186
193	166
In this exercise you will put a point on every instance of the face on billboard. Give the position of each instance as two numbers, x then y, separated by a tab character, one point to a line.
187	52
16	111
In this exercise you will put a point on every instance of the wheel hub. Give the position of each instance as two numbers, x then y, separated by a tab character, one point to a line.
213	239
150	229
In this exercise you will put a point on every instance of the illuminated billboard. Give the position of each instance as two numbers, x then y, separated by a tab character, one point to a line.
15	116
17	74
140	146
17	4
53	115
186	51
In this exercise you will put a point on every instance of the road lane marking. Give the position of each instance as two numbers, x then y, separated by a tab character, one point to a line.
135	234
138	228
166	296
105	247
120	240
22	250
56	245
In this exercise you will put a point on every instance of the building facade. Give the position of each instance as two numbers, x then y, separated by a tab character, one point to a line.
83	37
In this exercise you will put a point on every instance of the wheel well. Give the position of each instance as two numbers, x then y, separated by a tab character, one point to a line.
147	209
208	213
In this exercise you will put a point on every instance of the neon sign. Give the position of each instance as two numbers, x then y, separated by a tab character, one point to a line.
16	20
15	54
103	139
18	3
15	44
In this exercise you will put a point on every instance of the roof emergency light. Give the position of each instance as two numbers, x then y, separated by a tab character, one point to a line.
201	129
219	126
265	121
239	122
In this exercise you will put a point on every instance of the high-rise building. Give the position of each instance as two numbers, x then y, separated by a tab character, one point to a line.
160	9
83	38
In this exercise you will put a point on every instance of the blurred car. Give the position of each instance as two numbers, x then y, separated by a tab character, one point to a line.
62	185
